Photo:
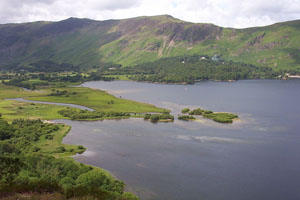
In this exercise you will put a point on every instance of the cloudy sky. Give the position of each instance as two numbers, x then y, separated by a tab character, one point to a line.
228	13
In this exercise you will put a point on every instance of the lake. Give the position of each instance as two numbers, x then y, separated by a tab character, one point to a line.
257	157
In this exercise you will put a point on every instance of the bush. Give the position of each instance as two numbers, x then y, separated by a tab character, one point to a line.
207	111
49	137
159	117
75	114
36	149
67	185
197	111
129	196
147	116
221	117
185	110
186	117
60	149
154	118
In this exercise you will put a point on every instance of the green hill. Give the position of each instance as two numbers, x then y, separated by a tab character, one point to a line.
145	39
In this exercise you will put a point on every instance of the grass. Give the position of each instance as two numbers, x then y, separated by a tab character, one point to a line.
92	98
186	117
42	196
33	196
97	100
15	110
221	117
50	146
120	77
7	92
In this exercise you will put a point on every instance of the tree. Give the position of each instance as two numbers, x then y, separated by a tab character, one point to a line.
185	110
6	130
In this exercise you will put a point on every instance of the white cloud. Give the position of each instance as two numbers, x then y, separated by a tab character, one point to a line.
228	13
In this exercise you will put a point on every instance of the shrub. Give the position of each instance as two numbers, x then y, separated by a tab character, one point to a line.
80	147
197	111
207	111
159	117
185	110
186	117
60	149
154	118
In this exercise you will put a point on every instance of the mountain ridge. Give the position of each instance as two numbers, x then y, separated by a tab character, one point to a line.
132	41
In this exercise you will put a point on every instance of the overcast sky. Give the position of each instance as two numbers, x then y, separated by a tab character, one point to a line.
228	13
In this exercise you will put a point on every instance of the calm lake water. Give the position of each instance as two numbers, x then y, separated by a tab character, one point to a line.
257	157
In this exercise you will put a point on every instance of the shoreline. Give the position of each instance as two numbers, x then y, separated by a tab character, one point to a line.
198	81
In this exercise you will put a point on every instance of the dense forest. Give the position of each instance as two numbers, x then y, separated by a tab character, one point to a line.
189	69
180	69
25	168
24	80
40	66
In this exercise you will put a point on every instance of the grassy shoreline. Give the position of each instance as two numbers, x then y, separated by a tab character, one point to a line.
100	101
220	117
53	147
39	165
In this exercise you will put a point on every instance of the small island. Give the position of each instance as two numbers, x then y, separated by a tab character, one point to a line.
186	117
154	118
220	117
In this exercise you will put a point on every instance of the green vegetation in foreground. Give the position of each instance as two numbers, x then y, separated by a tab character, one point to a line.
165	117
32	159
217	117
186	117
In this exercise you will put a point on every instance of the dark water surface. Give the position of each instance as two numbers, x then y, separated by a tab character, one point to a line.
257	157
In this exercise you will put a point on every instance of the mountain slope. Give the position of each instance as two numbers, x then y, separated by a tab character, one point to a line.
143	39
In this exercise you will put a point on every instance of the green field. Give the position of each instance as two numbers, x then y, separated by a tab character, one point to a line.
50	146
92	98
7	92
15	110
97	100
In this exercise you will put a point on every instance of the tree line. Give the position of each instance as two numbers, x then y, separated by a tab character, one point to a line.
191	68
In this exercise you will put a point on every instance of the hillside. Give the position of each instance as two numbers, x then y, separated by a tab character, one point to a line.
144	39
